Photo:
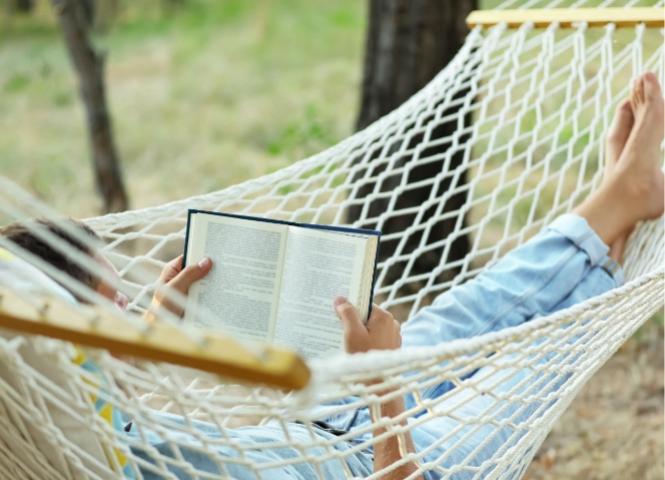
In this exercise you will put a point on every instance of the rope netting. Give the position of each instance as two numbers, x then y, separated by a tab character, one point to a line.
527	110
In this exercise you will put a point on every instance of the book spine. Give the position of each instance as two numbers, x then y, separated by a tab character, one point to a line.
368	278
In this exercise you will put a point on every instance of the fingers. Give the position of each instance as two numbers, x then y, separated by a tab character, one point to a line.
190	274
381	333
383	321
379	317
174	279
348	314
171	269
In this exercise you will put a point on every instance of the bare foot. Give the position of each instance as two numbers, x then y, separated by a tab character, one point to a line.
641	161
617	136
634	189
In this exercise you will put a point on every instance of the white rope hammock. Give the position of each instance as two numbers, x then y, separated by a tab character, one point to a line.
540	100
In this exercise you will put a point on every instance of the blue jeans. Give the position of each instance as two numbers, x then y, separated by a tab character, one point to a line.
565	264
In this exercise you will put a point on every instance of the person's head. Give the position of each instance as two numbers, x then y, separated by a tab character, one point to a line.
23	235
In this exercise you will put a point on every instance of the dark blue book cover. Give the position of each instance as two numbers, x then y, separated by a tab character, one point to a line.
317	249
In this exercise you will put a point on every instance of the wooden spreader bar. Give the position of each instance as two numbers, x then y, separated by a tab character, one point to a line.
569	17
159	341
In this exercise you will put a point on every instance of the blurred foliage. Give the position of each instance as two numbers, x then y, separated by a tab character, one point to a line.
204	94
216	91
219	91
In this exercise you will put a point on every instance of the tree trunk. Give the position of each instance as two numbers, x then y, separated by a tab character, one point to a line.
408	42
75	22
21	6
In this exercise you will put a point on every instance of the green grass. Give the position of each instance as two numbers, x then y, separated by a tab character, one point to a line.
215	92
211	94
202	97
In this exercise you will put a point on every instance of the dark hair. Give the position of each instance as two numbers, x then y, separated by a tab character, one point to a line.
23	235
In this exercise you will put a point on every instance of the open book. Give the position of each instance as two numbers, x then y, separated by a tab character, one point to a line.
276	281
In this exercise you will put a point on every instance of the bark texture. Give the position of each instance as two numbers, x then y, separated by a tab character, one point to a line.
408	42
21	6
75	22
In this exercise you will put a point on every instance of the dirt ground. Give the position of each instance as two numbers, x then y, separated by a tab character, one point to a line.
614	428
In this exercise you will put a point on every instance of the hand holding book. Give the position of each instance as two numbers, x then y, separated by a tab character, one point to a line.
382	331
175	277
274	281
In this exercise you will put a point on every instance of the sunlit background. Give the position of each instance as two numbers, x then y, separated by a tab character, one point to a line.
204	94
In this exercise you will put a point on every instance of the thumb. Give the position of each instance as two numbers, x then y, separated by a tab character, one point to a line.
190	274
348	314
171	269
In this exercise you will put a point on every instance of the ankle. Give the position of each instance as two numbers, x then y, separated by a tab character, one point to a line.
640	193
607	212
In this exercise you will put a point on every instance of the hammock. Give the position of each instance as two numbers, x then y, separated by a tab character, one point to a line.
540	100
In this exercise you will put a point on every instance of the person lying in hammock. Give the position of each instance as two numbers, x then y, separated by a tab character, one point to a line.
575	258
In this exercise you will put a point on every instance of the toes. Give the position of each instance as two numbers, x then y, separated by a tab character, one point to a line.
635	97
651	86
623	113
620	129
640	90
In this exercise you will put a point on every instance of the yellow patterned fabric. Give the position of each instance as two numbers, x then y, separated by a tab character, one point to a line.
17	272
104	409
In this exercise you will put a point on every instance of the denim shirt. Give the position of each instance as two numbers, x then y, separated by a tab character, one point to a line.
565	264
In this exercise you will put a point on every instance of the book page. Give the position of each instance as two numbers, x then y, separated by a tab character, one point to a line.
319	265
242	289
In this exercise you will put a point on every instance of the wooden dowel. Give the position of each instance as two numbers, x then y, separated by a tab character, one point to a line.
569	17
162	342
